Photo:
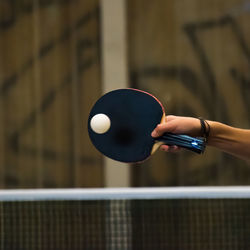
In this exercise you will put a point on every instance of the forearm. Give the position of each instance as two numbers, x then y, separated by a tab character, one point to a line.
231	140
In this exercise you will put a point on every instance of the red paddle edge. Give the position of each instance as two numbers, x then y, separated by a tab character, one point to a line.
156	145
163	110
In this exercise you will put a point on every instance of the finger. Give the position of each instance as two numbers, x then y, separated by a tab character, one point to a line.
169	118
162	128
165	148
159	130
170	149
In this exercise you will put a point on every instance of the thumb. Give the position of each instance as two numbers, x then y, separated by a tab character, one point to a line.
169	126
160	130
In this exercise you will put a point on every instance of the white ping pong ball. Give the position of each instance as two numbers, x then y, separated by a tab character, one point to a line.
100	123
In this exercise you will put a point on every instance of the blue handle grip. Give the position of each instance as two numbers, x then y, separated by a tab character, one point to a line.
194	144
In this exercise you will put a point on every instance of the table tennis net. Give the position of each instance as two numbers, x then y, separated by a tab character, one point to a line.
126	219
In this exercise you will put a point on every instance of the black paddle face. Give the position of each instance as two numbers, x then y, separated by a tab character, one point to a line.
133	115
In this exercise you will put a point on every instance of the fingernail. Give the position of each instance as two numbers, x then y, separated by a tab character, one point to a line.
165	149
153	134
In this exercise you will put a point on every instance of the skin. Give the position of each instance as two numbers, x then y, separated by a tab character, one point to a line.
234	141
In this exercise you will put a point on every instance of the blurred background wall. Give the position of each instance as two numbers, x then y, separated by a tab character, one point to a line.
49	78
193	55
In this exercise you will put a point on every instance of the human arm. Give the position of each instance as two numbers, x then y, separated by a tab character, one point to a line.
226	138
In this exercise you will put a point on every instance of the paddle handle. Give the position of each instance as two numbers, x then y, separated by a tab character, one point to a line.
194	144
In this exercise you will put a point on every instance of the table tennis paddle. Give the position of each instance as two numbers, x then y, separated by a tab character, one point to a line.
120	125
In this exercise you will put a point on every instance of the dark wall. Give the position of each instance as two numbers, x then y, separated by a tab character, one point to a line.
195	57
49	78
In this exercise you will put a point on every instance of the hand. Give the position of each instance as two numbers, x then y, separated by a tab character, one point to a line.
177	125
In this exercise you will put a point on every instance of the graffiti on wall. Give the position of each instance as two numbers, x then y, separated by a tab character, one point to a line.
85	56
217	88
